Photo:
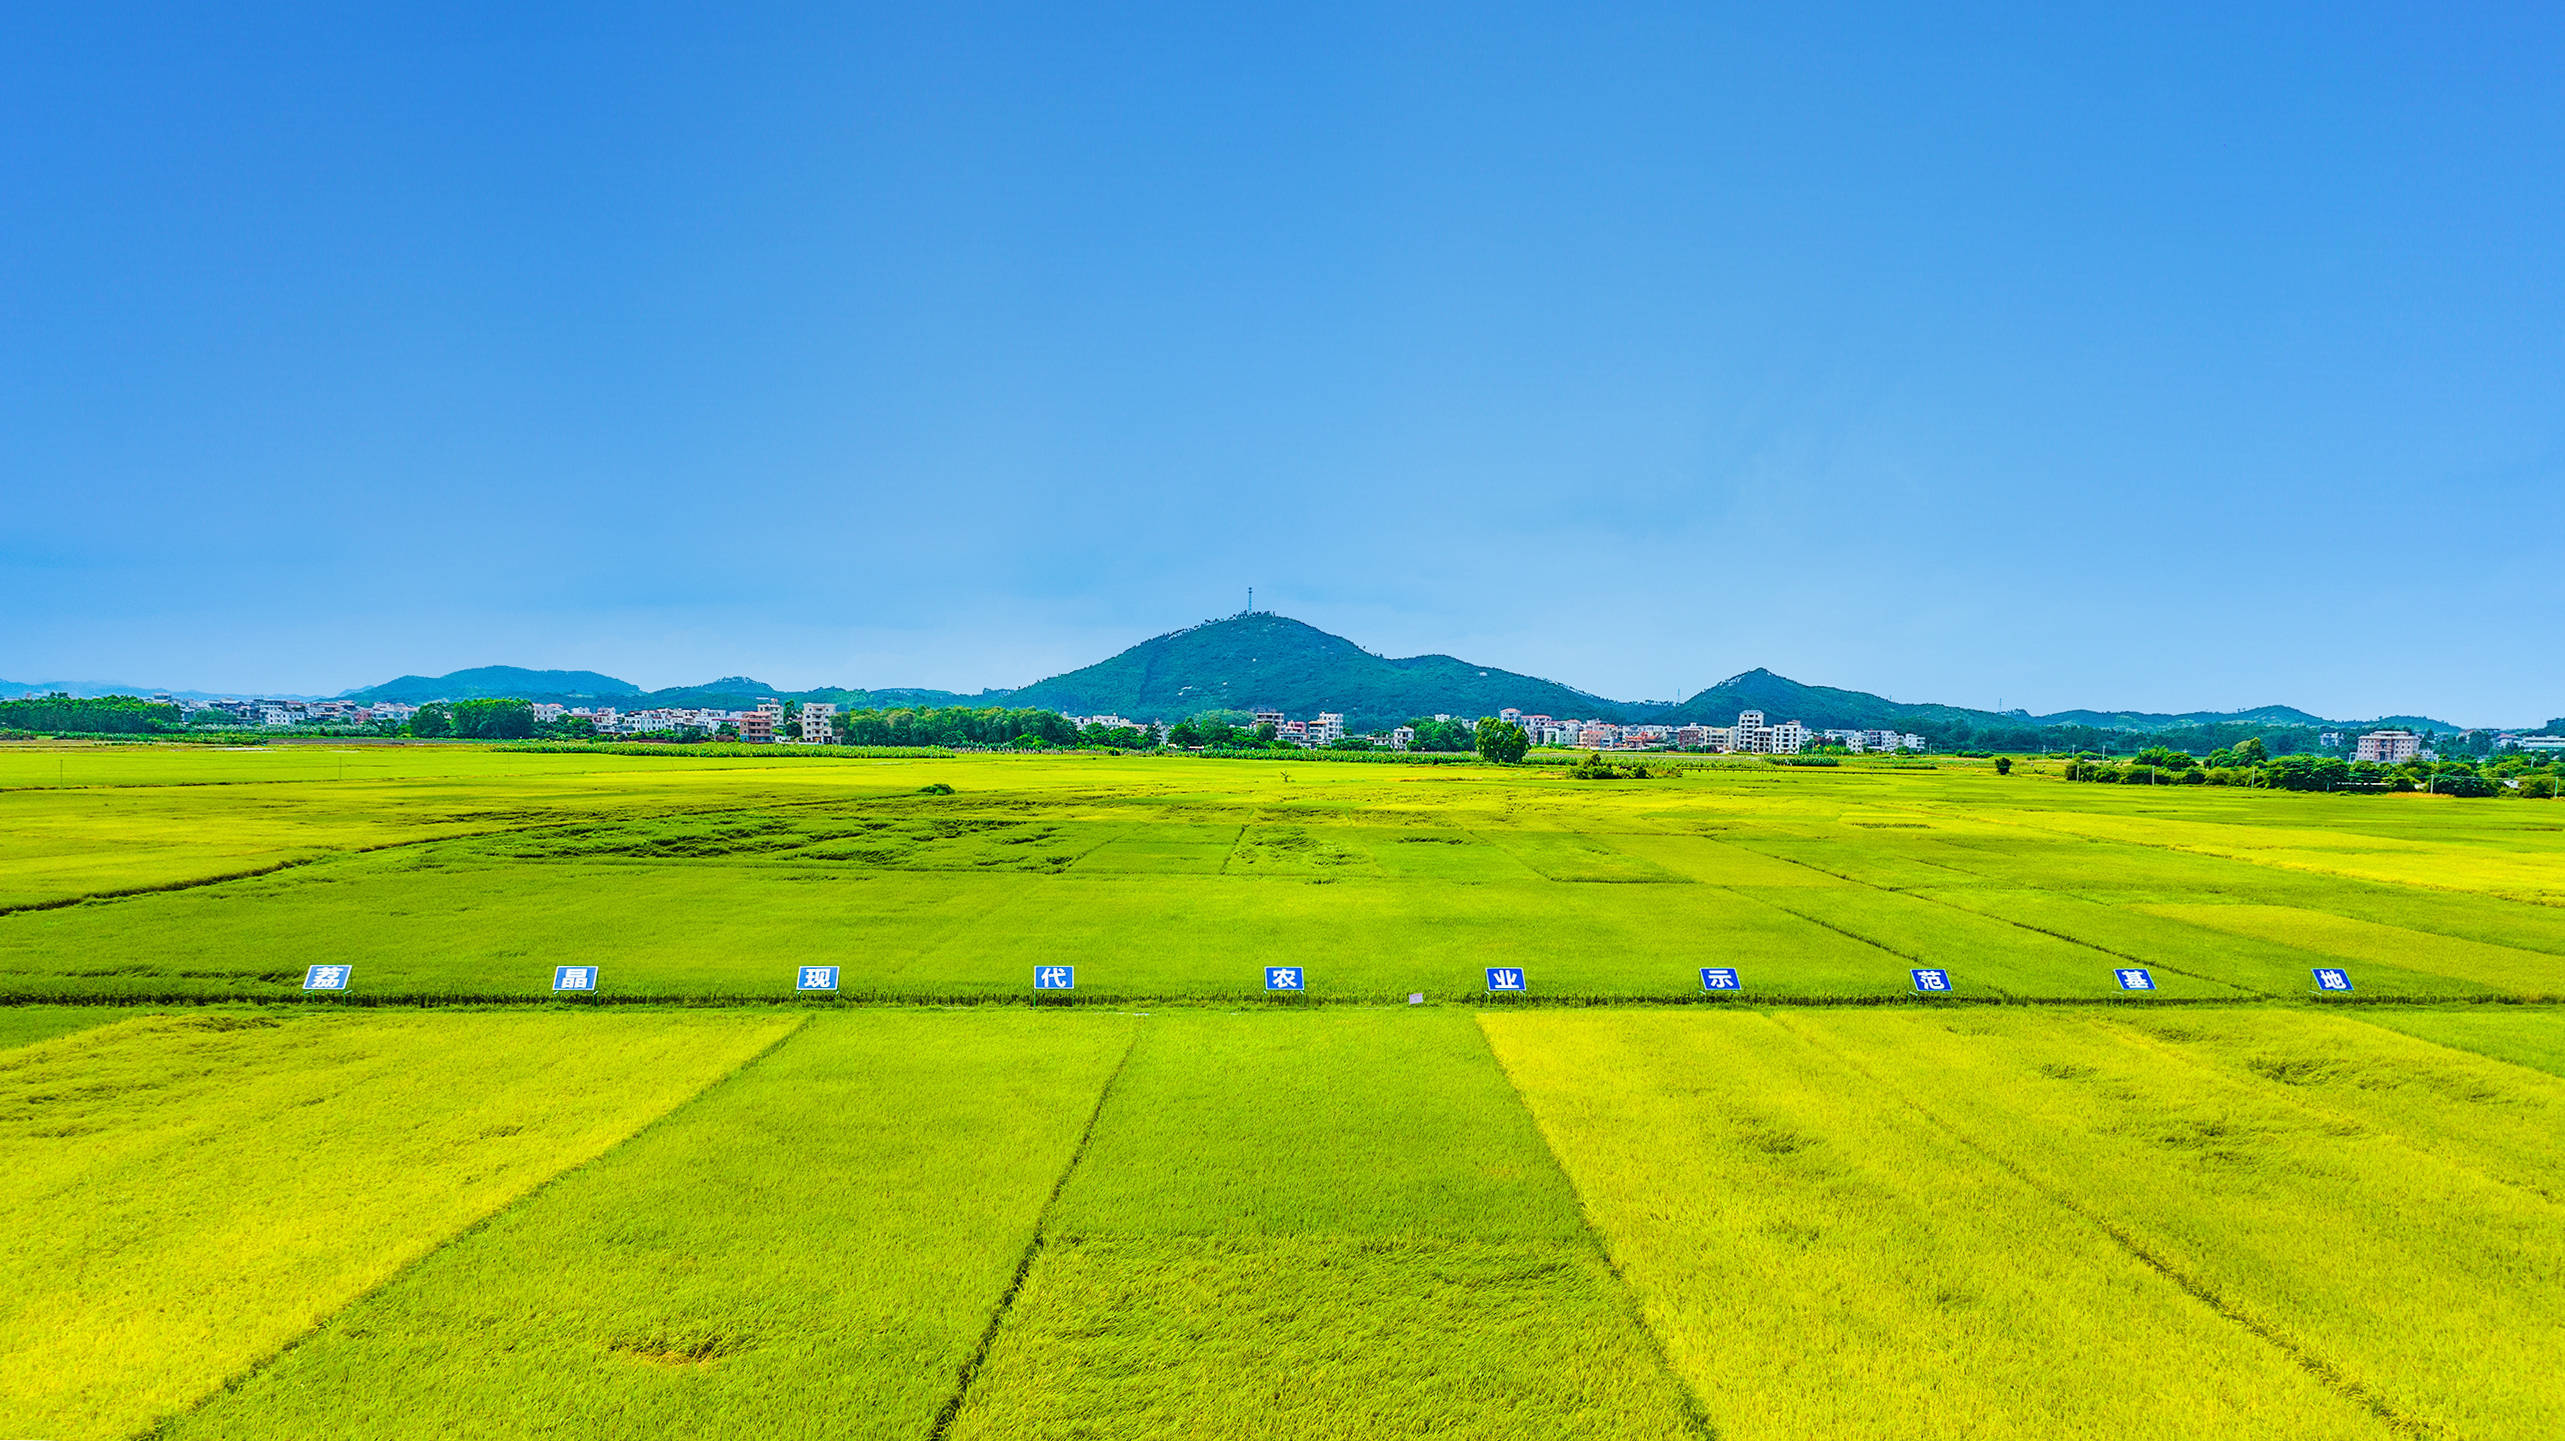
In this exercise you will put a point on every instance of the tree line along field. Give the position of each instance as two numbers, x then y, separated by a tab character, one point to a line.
163	873
698	1204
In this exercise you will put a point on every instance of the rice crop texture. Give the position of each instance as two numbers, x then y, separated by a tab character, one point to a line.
454	873
2421	1270
1334	1224
811	1249
1822	1264
185	1194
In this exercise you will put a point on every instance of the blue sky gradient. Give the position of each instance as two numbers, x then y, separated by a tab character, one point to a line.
2043	356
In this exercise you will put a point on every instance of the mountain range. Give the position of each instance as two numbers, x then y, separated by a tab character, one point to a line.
1262	661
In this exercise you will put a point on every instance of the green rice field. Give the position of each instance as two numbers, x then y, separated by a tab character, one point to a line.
447	1202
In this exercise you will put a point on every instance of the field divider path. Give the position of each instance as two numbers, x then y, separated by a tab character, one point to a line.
1990	916
1696	1411
952	1407
241	1377
2331	1376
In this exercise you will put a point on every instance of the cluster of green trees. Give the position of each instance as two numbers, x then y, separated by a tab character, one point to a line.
2249	763
483	720
1595	768
102	715
957	726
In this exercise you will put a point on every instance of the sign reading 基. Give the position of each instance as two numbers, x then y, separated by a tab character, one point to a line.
816	978
327	978
2135	978
574	978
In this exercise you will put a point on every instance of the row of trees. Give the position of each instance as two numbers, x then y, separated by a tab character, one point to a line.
2247	764
103	715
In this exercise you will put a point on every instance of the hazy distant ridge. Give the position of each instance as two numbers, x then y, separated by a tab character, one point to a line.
1263	661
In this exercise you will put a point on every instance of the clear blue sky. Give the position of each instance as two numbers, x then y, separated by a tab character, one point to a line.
2055	356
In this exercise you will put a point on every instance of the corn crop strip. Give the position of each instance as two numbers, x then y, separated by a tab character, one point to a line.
1822	1265
2424	1275
810	1250
1334	1224
184	1195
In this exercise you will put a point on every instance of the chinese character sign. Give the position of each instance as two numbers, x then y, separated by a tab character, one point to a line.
574	978
327	978
2135	978
816	978
1285	978
1718	978
2330	979
1055	978
1504	978
1931	980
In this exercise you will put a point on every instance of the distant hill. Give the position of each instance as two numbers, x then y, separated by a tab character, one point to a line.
501	682
1262	661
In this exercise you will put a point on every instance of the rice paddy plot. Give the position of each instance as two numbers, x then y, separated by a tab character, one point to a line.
1330	1224
2522	1036
1821	1266
812	1249
24	1025
2453	965
186	1194
2425	1282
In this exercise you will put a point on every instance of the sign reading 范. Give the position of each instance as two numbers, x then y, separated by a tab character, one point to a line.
327	978
816	978
1931	979
1718	978
574	978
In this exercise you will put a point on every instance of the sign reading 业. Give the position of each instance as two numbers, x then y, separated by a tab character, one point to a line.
1055	978
1718	978
2134	978
1931	979
816	978
2329	978
327	978
574	978
1285	978
1504	978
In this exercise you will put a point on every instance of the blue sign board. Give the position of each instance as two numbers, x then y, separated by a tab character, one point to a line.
327	978
1055	978
1285	978
1931	979
1718	978
816	978
1504	978
2330	979
2134	978
574	978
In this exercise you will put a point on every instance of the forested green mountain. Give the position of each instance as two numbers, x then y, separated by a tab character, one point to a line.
1262	661
502	682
